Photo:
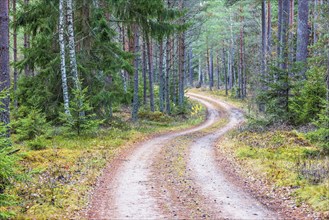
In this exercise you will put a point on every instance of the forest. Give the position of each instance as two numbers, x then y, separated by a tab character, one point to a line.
91	91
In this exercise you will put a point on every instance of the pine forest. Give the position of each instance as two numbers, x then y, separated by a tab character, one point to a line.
164	109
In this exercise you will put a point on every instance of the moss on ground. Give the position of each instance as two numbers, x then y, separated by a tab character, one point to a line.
285	159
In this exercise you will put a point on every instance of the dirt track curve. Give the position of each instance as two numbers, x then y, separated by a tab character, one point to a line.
126	191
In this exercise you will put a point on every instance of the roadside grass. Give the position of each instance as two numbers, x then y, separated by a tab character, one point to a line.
286	160
282	158
56	181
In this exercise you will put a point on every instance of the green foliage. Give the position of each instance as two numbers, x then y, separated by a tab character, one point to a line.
39	143
275	95
321	135
30	124
154	116
306	104
82	118
8	172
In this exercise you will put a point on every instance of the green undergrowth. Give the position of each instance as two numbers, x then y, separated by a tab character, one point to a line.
58	177
286	159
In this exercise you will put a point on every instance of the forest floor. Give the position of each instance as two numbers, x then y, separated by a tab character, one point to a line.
192	174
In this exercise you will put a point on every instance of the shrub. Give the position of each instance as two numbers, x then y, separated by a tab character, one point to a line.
81	118
39	143
30	124
321	135
8	172
154	116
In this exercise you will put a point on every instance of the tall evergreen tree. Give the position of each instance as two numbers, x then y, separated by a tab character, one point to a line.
4	59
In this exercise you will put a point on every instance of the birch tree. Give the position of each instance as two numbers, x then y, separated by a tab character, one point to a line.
62	57
71	44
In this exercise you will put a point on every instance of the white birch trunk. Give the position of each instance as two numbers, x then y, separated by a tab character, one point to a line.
73	60
62	55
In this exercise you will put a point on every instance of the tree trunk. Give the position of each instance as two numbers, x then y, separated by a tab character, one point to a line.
181	61
217	70
161	78
200	73
123	72
136	62
285	32
72	54
285	52
209	69
150	69
291	32
15	52
269	28
263	38
328	82
241	55
167	82
279	48
302	34
4	61
62	55
191	67
225	72
315	24
173	70
144	72
27	69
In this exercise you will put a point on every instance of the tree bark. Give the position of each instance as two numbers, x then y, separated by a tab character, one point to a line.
136	64
4	61
217	71
269	28
72	53
225	72
167	81
241	70
285	32
302	34
279	48
15	52
144	72
315	24
161	78
181	64
62	55
263	38
191	66
150	70
27	69
285	52
209	69
123	72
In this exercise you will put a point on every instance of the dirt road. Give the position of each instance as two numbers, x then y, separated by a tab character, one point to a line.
126	191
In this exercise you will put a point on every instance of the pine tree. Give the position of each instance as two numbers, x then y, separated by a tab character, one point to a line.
4	59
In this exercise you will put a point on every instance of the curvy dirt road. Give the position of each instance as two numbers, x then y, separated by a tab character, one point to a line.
126	191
